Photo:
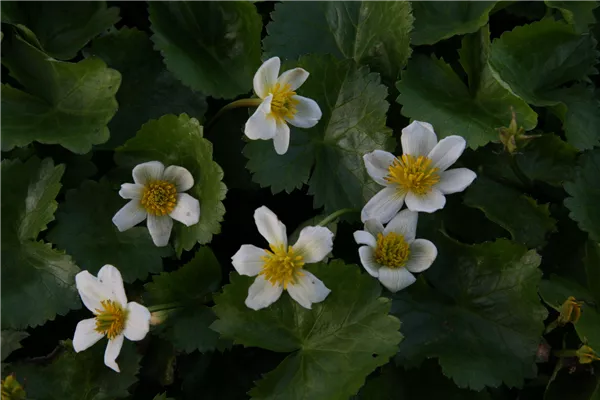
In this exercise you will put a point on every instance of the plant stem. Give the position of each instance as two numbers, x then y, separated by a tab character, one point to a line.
232	105
335	215
565	353
166	306
517	170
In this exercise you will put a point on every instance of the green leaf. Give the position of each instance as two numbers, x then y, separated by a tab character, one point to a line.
62	103
336	344
354	113
585	194
187	326
580	14
148	90
580	113
438	20
431	91
11	341
371	33
37	280
527	221
591	262
532	59
61	28
426	382
178	140
80	376
85	230
212	47
548	159
483	321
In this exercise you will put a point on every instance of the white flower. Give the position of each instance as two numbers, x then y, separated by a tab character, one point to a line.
419	177
281	267
158	195
115	317
392	253
280	105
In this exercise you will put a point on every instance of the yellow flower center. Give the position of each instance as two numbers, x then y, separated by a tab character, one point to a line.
110	321
281	266
413	174
282	104
159	198
392	250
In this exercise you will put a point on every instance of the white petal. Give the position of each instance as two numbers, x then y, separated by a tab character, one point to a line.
138	322
307	114
281	141
181	177
405	223
422	255
447	151
92	291
395	279
418	139
374	227
266	77
129	216
262	293
377	164
86	335
261	125
111	277
429	202
160	229
248	260
314	243
113	348
187	210
131	191
364	237
367	259
293	77
308	289
455	180
270	227
383	206
148	172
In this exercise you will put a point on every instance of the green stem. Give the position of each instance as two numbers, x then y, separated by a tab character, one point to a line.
517	170
565	353
232	105
335	215
166	306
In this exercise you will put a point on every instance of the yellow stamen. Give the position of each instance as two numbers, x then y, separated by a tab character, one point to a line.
413	174
110	321
570	311
159	198
283	105
392	250
281	266
586	355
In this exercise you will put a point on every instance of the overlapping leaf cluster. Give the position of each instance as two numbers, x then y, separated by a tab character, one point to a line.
91	90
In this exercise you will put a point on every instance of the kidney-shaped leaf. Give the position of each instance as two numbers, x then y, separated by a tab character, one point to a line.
336	344
62	103
484	319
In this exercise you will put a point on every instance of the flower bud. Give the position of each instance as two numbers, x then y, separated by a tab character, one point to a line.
570	311
586	355
11	389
